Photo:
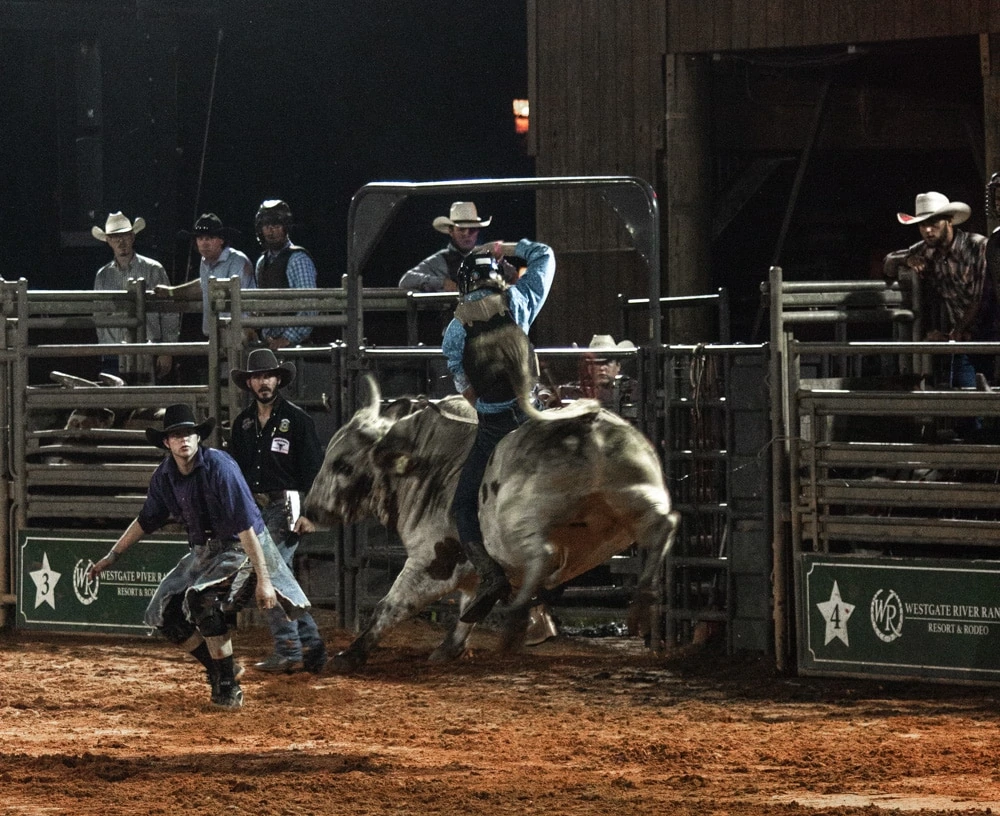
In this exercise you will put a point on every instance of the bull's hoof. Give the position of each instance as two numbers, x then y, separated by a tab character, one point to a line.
347	662
514	631
446	653
541	626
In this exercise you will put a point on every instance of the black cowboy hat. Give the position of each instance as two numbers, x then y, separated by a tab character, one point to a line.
211	225
262	361
175	418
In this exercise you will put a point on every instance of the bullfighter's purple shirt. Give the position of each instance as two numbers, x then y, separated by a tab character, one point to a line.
213	498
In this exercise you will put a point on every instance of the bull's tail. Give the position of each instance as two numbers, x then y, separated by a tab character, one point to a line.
505	354
509	356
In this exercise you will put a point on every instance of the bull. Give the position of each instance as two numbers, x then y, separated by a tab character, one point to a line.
561	495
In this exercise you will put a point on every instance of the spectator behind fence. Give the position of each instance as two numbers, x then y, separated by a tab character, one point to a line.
161	327
282	265
601	375
951	266
218	260
439	272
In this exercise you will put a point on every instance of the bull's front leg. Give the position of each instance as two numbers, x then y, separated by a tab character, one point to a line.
418	584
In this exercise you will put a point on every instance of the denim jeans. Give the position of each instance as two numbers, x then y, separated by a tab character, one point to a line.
492	428
290	637
964	368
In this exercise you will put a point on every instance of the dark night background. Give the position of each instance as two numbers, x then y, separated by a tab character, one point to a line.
312	100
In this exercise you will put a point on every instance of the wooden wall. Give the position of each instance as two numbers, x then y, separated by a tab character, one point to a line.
740	25
596	109
600	74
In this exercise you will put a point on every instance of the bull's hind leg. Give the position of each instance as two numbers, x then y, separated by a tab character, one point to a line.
413	590
655	533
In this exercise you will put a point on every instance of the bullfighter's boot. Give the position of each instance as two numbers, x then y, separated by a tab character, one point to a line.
226	692
493	584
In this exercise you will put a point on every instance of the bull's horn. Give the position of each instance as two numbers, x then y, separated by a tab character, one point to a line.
374	394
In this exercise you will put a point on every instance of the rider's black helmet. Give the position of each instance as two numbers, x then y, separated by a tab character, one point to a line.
478	271
272	211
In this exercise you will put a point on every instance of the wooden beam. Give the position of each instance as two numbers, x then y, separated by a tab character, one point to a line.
989	58
688	191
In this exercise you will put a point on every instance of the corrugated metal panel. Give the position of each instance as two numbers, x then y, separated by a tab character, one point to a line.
735	25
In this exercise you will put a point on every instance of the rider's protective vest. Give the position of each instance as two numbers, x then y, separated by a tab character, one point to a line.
481	319
272	272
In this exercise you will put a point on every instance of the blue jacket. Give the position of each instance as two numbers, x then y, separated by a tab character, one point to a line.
524	299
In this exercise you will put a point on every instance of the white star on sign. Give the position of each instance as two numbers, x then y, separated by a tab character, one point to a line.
45	583
835	612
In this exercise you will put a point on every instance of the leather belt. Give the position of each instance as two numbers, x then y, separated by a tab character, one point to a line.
270	497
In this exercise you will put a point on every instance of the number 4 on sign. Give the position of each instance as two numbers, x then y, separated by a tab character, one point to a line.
836	614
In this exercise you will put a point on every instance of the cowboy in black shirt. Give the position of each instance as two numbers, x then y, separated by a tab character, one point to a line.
276	446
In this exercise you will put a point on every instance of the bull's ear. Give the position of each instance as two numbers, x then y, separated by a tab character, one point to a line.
397	409
391	459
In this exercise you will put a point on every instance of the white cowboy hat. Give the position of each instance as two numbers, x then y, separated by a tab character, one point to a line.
933	206
116	225
607	341
462	214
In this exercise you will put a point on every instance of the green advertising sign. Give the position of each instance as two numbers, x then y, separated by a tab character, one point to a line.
924	618
54	592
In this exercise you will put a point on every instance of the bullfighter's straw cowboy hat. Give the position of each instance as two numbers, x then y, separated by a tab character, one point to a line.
462	214
262	361
179	417
931	206
117	224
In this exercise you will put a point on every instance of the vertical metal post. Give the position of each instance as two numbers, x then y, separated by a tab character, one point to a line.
779	440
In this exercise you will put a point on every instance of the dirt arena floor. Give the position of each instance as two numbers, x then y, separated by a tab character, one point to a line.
574	726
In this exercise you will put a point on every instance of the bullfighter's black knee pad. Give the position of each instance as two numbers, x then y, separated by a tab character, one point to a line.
176	628
208	616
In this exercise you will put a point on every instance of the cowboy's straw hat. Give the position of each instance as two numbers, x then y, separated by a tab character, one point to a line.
931	206
606	341
462	214
117	224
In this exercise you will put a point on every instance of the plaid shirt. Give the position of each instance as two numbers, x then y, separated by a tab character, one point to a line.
957	279
301	274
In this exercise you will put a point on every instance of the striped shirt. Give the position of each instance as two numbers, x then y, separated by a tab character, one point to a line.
956	277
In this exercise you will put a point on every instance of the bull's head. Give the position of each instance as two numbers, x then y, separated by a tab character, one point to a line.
345	487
